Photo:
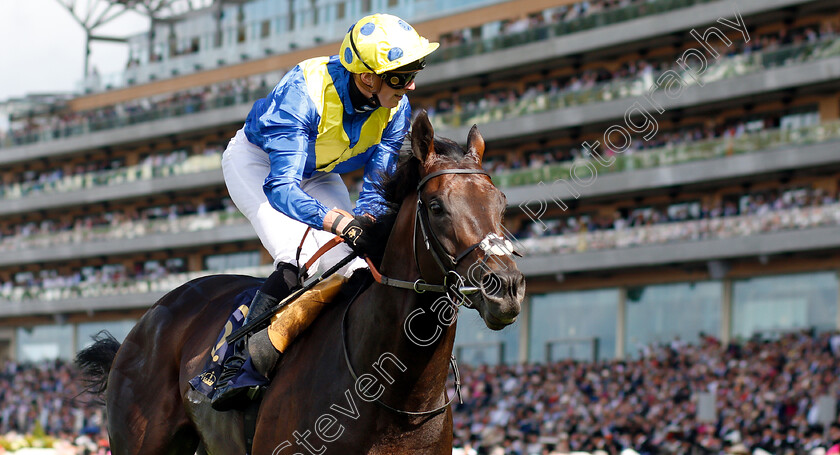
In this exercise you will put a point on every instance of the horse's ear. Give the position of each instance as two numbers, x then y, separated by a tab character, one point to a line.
422	137
475	144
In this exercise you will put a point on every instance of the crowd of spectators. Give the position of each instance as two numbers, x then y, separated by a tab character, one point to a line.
694	136
107	172
733	216
549	16
631	79
25	129
766	394
49	284
120	224
46	396
749	214
109	280
244	90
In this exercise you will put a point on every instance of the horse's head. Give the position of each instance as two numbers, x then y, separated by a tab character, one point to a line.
458	233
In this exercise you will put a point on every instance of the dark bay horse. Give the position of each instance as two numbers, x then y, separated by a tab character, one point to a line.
446	219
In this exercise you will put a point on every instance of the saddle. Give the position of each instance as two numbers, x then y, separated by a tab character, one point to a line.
286	325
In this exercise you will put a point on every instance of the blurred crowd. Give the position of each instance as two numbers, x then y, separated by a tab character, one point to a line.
700	141
738	215
46	397
474	109
766	394
547	17
126	223
749	214
107	172
64	122
630	79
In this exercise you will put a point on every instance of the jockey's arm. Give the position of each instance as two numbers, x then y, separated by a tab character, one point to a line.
285	134
282	188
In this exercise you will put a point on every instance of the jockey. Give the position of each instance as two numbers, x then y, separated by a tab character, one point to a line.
326	117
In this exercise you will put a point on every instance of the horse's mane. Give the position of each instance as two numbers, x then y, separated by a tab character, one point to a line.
403	182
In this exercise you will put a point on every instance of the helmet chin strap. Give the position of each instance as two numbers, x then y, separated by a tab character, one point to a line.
373	89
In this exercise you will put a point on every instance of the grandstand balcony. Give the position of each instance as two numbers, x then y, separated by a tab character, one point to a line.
230	110
773	233
789	231
542	48
780	81
93	296
767	151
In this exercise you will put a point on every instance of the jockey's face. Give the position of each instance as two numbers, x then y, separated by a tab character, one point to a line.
389	97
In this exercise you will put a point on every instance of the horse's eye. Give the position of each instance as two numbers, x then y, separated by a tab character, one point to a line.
435	207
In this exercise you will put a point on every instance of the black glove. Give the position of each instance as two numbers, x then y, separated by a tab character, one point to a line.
349	228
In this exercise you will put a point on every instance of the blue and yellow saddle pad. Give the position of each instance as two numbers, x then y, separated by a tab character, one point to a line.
205	383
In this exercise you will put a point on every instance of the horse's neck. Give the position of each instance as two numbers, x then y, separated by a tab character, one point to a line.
403	325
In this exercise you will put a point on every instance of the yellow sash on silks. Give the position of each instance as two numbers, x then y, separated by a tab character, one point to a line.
333	145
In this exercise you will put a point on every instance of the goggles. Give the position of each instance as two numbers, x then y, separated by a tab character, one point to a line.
399	81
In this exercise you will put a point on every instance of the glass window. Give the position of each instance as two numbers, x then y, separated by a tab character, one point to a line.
573	324
475	344
86	331
784	303
45	342
221	262
663	313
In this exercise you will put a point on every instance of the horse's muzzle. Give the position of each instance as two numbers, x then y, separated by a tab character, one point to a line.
502	293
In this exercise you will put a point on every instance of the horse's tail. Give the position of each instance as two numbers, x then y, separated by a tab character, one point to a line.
95	362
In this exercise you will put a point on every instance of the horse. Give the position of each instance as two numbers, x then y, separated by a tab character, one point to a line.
369	375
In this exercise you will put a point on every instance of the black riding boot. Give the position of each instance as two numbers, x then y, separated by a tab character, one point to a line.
229	390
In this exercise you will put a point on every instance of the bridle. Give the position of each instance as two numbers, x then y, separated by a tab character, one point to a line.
447	264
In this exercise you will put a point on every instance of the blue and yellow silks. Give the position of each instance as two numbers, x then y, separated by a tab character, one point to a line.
307	124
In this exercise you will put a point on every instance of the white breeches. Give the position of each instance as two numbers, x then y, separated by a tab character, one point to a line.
245	167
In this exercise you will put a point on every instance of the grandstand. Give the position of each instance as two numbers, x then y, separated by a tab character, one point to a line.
672	168
119	192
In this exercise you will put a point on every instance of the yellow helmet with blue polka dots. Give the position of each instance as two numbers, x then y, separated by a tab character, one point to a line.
380	43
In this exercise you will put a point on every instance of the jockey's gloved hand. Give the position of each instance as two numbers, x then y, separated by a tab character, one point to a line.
350	228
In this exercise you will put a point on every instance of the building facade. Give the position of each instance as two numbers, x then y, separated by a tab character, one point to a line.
671	168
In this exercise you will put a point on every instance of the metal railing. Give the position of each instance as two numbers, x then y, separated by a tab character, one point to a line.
670	154
737	65
549	31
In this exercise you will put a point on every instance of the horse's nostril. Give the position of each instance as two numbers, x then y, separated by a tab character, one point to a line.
491	284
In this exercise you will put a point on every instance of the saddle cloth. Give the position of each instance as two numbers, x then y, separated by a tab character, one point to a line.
289	322
205	382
